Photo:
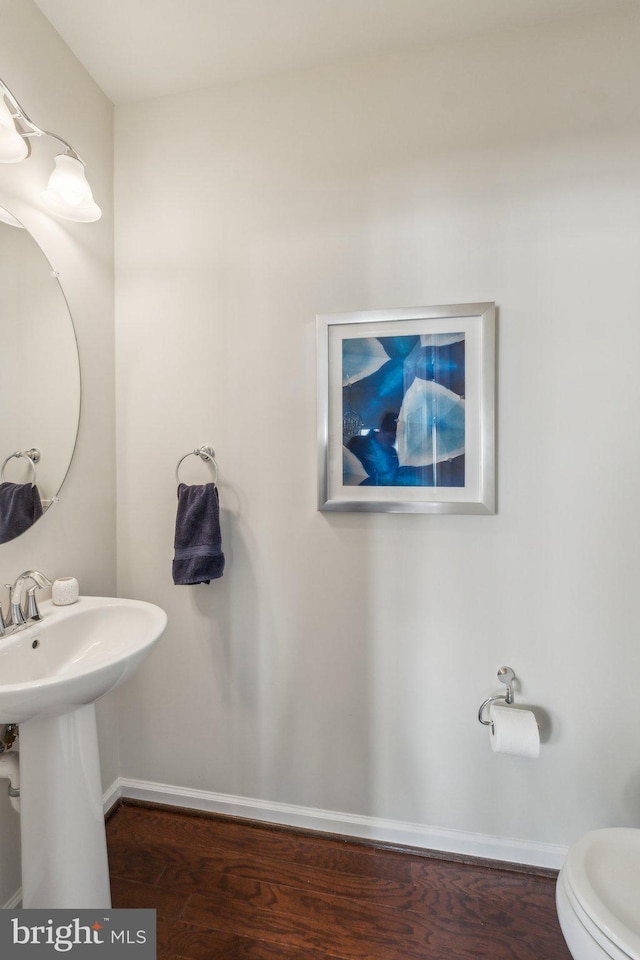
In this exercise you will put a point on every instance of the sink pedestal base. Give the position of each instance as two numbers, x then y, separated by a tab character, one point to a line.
64	849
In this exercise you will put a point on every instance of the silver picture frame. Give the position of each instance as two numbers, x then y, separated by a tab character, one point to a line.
406	410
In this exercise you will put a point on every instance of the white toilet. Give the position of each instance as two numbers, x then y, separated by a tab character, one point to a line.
598	896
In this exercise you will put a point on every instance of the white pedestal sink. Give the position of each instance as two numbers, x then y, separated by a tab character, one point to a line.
51	674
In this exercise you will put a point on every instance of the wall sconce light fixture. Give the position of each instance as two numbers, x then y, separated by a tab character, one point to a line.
68	193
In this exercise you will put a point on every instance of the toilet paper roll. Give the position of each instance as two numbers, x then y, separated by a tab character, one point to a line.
514	731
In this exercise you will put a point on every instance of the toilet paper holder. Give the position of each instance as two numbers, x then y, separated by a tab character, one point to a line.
506	675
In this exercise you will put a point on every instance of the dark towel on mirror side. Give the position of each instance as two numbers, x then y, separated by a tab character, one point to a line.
20	507
198	554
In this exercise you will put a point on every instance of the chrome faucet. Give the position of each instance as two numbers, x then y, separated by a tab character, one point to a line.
19	613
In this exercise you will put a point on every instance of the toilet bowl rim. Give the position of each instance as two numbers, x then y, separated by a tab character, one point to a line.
571	912
611	944
589	907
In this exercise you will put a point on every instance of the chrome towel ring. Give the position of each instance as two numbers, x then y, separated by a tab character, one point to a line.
33	456
206	454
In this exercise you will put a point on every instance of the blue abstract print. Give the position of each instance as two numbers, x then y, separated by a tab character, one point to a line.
403	411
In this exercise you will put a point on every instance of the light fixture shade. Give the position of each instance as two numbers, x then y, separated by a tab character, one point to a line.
13	147
8	218
68	193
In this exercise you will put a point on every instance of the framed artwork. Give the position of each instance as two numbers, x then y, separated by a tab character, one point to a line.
406	410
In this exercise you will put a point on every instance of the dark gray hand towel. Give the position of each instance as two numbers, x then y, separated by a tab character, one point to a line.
20	507
198	542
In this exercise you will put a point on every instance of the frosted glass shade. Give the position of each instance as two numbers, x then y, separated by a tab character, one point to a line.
68	193
13	147
8	218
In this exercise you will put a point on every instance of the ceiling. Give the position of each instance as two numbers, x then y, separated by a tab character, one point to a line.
138	49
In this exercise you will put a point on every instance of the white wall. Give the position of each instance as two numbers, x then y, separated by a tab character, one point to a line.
76	536
340	662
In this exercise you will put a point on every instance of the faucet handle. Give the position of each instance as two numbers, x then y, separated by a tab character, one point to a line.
31	611
3	622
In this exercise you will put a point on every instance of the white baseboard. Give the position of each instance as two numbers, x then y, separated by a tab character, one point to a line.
529	852
112	795
458	842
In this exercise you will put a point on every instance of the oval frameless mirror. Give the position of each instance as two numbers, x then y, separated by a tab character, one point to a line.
39	381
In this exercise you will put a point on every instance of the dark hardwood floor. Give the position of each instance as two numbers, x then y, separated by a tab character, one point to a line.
227	889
